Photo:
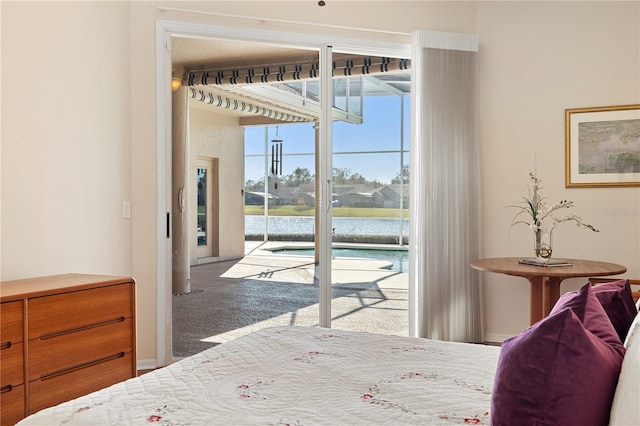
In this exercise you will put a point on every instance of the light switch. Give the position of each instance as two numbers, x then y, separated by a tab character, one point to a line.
126	210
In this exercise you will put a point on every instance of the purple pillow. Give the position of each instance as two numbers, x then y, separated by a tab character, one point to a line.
563	370
617	301
589	310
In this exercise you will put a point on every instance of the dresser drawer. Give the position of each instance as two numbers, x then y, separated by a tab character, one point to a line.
57	353
11	365
61	337
56	389
11	404
77	309
11	322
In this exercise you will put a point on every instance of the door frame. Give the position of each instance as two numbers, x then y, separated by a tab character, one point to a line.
358	41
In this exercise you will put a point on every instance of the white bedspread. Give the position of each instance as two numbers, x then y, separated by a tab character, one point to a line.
301	376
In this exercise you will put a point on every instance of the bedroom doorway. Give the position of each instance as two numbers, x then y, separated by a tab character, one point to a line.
227	299
325	159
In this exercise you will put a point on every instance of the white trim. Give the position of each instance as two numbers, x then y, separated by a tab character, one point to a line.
415	198
147	364
324	197
164	30
259	20
163	110
496	337
282	38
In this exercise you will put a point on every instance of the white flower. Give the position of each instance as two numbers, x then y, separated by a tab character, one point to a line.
535	208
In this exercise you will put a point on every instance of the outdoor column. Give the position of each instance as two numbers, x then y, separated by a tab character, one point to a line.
179	193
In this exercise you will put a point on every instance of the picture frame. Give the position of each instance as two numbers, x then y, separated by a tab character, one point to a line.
602	146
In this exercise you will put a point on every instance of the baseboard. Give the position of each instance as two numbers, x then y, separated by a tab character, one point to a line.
147	364
494	338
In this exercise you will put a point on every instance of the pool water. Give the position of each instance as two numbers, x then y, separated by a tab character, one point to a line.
399	258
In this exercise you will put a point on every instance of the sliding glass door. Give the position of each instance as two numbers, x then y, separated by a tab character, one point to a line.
368	204
322	193
370	215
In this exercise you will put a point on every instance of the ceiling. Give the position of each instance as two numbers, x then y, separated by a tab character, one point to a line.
193	53
197	54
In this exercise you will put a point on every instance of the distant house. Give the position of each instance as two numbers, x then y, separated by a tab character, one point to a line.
359	195
303	195
390	196
295	196
256	198
365	195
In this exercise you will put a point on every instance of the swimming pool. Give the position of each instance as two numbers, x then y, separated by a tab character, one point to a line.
399	259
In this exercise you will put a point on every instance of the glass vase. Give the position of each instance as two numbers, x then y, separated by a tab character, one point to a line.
542	247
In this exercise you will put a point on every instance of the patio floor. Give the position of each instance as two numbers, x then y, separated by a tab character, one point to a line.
229	299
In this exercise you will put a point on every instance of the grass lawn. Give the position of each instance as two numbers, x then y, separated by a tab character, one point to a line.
337	211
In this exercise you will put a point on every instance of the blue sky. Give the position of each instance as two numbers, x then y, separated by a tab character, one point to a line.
380	131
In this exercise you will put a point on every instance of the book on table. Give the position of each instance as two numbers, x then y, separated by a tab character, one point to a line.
545	263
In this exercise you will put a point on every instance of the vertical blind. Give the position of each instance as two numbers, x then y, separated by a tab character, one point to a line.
444	290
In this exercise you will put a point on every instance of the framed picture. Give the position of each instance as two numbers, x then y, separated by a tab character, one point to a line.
602	146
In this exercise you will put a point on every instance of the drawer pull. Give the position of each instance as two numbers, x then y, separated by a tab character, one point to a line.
85	327
5	389
5	345
81	366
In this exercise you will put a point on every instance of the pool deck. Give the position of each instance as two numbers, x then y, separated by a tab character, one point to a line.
260	263
234	297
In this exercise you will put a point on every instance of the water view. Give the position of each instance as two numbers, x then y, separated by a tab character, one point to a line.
341	225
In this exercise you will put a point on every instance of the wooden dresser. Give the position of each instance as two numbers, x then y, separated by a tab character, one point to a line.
61	337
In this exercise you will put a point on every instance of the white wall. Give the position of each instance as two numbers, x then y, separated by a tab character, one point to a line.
78	97
536	60
214	135
66	144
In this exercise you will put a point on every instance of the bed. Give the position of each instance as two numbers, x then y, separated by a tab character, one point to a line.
311	375
300	375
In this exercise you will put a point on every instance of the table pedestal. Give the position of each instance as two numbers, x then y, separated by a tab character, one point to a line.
545	291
